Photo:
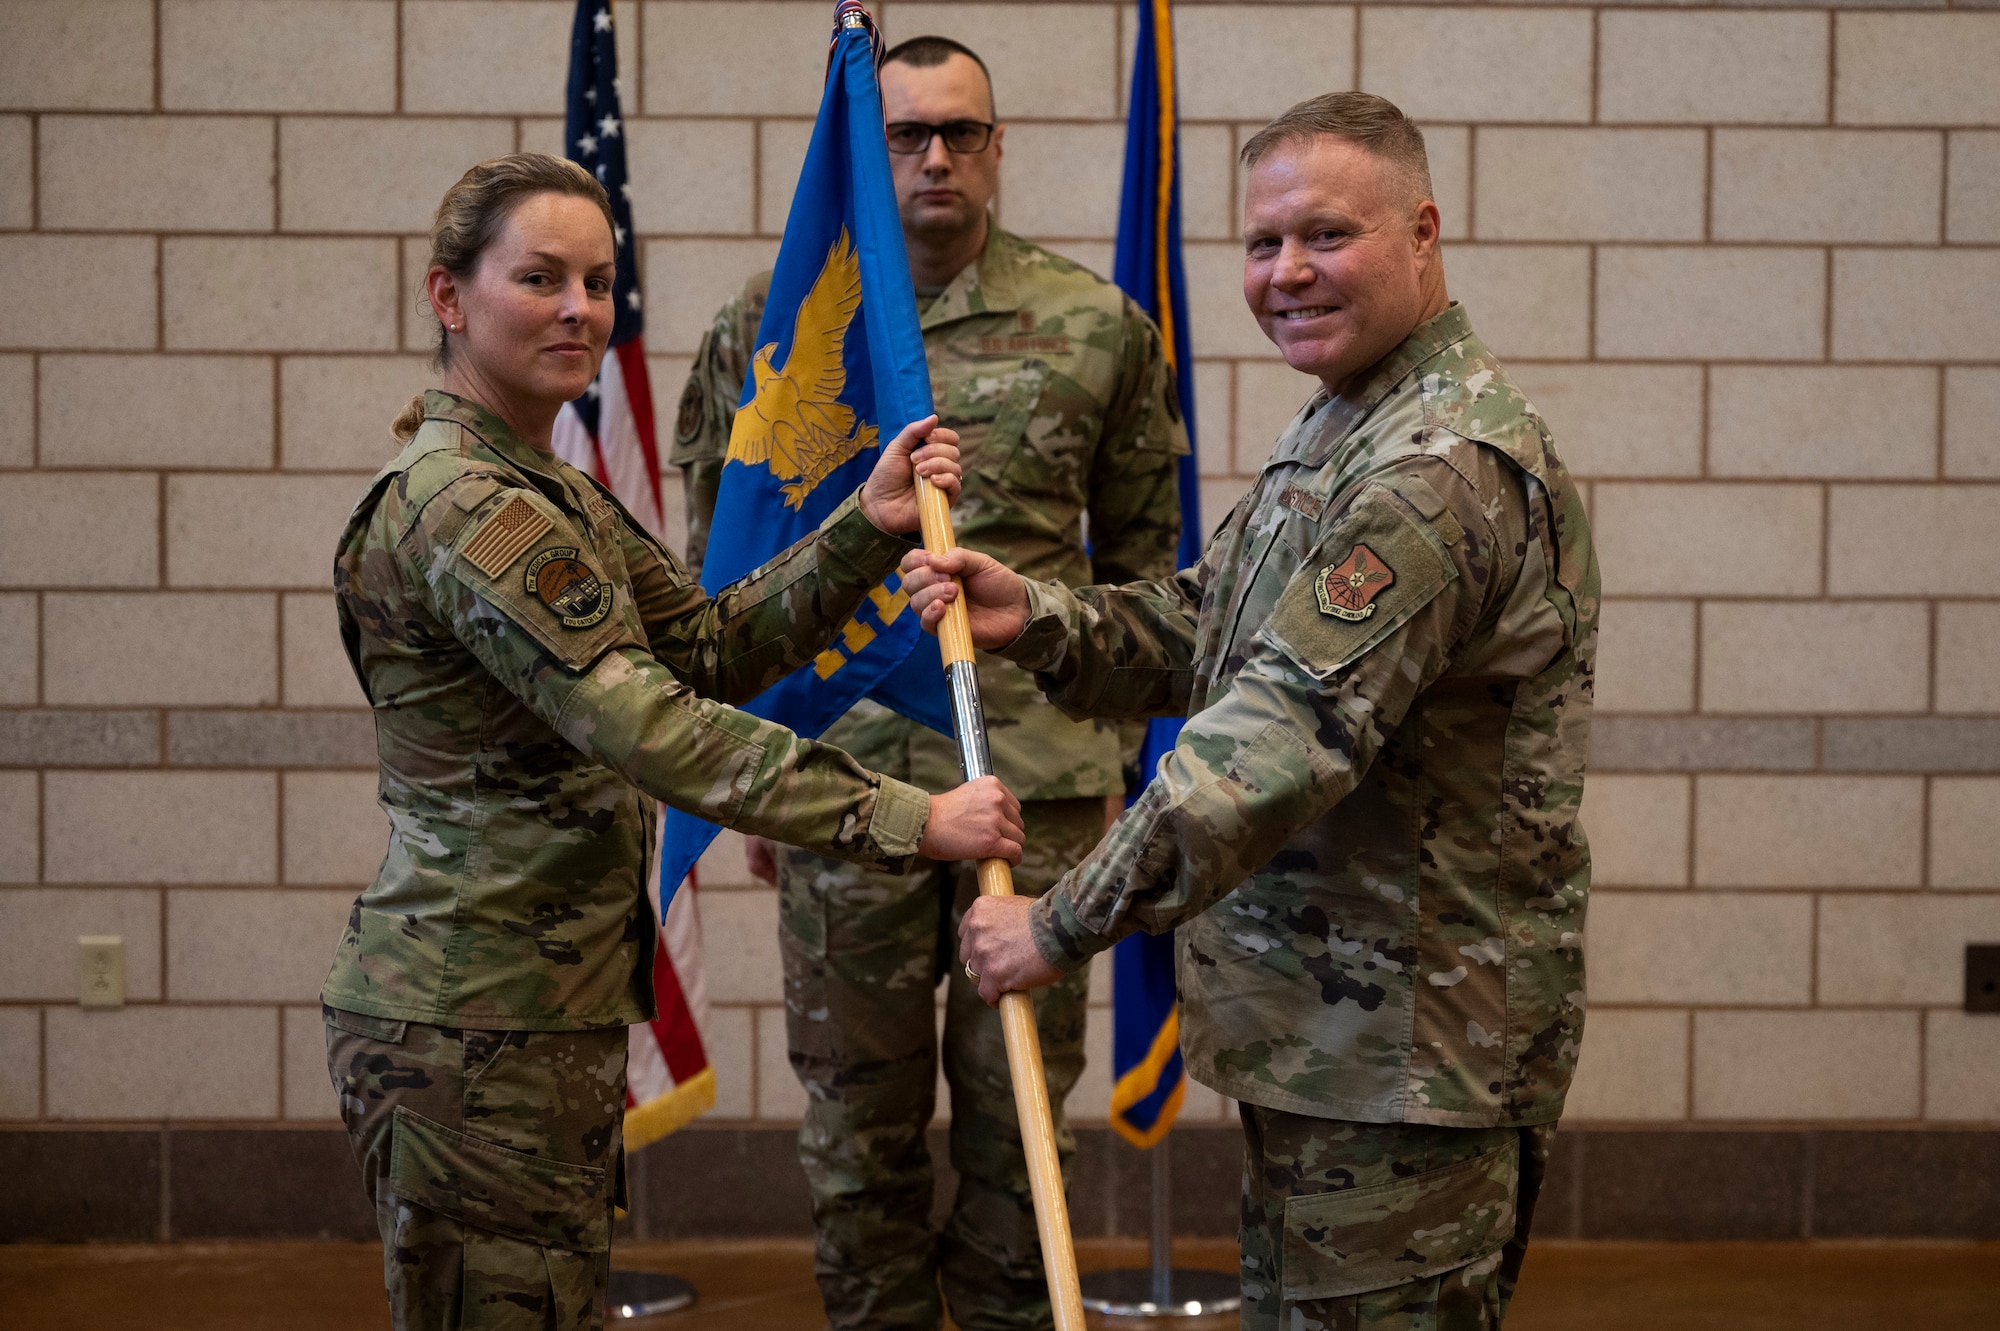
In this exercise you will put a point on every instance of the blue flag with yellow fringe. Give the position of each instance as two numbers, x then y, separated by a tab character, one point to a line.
838	370
1148	1081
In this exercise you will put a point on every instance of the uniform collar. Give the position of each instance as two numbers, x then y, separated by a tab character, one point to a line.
490	430
1328	418
985	287
1447	328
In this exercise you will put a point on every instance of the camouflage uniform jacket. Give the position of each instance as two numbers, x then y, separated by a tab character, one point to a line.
536	660
1059	388
1368	831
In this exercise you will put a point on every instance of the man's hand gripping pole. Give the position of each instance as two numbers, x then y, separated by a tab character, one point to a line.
1017	1010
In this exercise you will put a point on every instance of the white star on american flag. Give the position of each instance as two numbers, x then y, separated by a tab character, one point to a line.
587	145
618	234
602	21
608	127
632	298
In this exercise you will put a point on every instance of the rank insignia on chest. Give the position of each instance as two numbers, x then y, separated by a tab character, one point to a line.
565	584
1347	590
1024	340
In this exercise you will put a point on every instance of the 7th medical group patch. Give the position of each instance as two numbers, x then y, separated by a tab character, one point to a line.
1347	590
565	584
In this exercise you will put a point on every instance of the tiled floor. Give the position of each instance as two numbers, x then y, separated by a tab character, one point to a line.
768	1286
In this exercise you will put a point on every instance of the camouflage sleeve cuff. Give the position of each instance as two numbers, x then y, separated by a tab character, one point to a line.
848	537
1060	935
901	812
1044	642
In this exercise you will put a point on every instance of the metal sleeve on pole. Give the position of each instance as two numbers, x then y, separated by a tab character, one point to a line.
970	718
1017	1010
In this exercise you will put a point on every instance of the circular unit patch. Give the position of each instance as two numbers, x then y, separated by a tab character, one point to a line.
565	584
689	421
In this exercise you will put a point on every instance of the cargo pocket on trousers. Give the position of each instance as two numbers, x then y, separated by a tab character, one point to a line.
383	1030
1342	1243
489	1187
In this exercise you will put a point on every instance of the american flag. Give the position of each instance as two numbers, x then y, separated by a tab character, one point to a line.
608	432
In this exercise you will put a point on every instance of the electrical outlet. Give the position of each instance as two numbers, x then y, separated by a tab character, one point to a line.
103	970
1982	977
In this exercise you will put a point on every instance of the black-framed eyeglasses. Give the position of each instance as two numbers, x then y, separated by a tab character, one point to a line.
960	136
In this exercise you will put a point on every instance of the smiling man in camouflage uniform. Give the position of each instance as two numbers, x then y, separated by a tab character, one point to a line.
1367	834
1059	389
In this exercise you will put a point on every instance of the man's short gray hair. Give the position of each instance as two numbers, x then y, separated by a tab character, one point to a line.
1374	123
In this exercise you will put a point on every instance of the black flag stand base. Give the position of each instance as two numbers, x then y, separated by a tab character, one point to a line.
1162	1290
644	1294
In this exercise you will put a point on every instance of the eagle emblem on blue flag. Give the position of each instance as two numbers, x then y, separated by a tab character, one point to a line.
839	367
795	420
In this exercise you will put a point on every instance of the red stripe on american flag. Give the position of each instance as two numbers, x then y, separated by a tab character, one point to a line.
674	1028
639	394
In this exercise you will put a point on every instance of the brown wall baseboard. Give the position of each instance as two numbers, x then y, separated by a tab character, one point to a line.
74	1185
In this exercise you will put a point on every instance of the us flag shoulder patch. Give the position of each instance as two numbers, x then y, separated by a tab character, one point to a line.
506	536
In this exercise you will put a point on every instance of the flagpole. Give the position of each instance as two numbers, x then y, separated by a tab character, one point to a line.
1147	265
1017	1010
1160	1239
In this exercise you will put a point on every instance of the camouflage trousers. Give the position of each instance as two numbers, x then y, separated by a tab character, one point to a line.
493	1159
862	957
1384	1225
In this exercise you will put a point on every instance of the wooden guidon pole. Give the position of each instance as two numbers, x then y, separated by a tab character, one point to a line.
1017	1010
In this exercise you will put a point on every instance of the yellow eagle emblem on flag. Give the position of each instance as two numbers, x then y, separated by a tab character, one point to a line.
796	421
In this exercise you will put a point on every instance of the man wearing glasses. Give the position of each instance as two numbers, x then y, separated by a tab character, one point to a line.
1060	391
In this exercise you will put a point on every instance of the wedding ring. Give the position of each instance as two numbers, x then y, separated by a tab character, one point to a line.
970	973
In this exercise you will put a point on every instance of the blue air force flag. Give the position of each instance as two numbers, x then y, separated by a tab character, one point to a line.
838	370
1147	1078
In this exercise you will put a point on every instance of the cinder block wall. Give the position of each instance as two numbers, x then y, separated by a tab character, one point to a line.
1747	262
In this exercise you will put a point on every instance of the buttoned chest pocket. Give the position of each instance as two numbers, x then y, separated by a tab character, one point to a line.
1276	542
1054	427
989	405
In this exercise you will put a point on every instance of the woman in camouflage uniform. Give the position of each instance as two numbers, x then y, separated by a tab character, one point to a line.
536	660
